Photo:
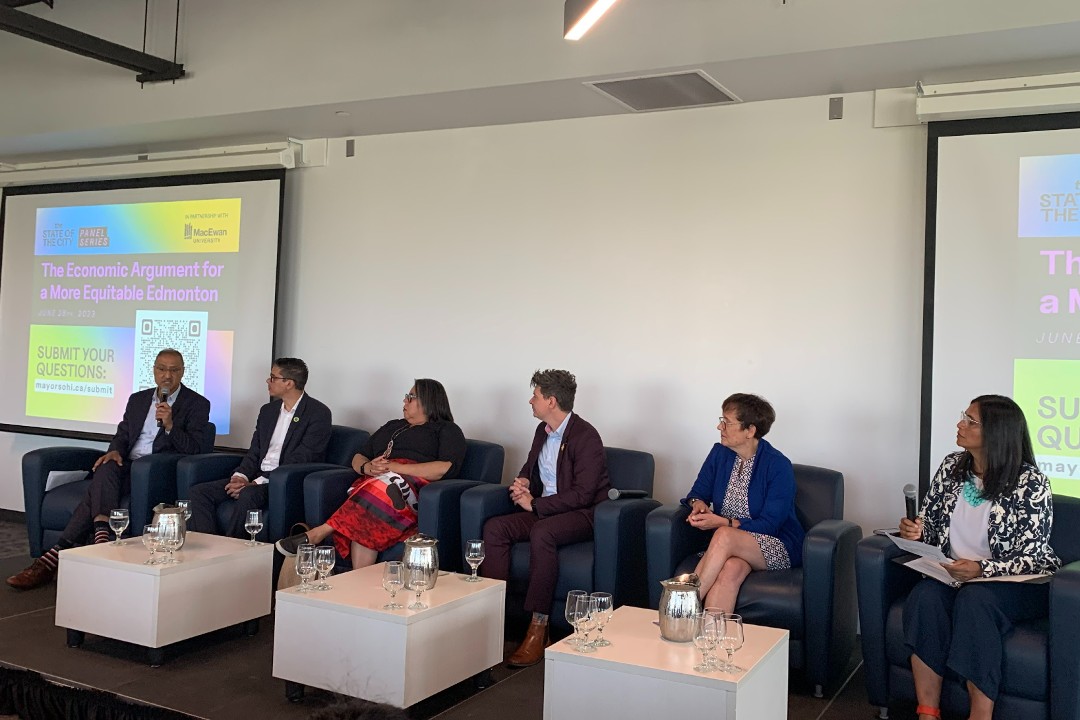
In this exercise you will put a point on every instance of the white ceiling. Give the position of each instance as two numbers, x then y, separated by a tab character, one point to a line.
355	67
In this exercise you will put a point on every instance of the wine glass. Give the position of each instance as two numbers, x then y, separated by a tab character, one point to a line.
150	542
569	613
585	620
393	579
324	563
421	578
305	566
706	637
253	525
604	610
118	521
731	639
474	555
185	508
168	536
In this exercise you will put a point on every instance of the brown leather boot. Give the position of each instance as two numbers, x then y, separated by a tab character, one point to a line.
531	650
34	576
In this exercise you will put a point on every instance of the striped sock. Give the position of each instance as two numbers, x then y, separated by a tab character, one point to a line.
101	532
51	557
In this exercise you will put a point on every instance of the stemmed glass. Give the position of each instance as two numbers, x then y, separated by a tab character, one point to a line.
324	563
305	566
474	555
150	542
118	521
253	525
569	613
393	579
169	536
185	508
604	611
706	637
731	639
585	620
420	579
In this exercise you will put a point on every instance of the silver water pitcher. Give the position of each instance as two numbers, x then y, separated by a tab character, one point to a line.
421	559
679	602
166	516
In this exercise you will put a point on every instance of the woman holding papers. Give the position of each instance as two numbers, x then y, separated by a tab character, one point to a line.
745	494
990	510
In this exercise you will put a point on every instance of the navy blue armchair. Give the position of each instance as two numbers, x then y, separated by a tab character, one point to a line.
286	503
438	515
611	562
1041	676
815	602
153	480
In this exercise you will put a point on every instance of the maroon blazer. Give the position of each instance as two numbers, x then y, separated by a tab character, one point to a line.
581	477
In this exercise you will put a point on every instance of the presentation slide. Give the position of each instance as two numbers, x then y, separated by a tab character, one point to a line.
96	281
1006	301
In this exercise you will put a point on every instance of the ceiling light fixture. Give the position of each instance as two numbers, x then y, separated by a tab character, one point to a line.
580	15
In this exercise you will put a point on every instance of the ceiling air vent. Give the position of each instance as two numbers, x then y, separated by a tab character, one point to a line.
665	92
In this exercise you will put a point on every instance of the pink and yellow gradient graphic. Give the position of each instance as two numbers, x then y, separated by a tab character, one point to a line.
85	373
182	226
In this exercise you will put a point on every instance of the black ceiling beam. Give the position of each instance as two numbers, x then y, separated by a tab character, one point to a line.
150	67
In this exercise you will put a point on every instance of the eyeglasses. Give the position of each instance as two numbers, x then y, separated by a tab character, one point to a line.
409	397
967	421
272	378
169	370
724	422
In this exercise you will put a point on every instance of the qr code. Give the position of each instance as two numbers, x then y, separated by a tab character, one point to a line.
156	330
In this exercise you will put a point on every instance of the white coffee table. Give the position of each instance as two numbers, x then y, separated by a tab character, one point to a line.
106	590
641	675
343	641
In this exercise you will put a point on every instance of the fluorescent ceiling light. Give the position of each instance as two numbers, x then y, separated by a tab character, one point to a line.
580	15
1006	97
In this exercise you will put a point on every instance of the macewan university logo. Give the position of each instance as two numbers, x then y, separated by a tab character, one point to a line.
93	237
204	234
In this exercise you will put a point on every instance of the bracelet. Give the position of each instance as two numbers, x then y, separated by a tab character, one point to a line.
729	523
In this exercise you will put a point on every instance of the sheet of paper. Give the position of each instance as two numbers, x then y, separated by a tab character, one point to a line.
932	569
919	548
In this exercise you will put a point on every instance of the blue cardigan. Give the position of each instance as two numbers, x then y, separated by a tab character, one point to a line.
771	494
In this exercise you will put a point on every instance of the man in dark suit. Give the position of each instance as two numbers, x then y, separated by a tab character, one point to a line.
562	480
168	418
292	428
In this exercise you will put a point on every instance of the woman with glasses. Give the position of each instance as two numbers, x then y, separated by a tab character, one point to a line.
990	510
745	495
400	458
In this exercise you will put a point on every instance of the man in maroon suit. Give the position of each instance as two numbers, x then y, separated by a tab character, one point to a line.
562	480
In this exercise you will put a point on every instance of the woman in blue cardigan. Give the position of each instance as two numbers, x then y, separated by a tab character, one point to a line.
745	493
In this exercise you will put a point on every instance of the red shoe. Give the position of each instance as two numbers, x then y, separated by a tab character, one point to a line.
38	574
931	711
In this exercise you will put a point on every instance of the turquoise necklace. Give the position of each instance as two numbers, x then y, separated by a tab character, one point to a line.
972	493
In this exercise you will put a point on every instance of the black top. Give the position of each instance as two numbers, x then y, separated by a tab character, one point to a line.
430	442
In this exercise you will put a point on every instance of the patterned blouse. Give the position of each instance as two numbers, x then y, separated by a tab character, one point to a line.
1019	527
737	504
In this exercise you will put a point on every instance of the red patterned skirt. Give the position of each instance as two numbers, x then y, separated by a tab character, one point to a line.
369	518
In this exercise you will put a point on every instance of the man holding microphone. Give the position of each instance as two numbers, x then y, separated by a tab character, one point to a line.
168	417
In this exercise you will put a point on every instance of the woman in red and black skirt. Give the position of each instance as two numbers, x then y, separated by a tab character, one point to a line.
399	459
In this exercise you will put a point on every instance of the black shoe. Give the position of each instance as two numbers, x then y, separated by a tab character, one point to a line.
396	498
288	546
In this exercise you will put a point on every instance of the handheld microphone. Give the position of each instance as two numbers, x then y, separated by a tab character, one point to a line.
163	396
911	501
616	493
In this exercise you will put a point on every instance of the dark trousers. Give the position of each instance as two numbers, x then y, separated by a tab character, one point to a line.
108	484
963	629
545	537
206	497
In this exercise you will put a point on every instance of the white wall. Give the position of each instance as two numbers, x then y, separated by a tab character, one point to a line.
667	259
